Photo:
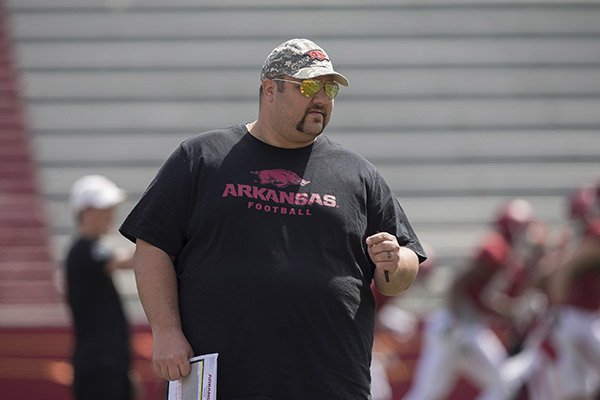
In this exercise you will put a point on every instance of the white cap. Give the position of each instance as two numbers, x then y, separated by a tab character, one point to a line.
95	191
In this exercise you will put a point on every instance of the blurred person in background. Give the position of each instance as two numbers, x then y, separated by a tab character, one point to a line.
564	341
527	332
458	337
576	293
101	357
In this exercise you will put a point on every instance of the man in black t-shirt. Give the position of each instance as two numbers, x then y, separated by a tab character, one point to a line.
260	241
101	357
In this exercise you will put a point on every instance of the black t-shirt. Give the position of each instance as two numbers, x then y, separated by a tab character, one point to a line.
270	256
101	328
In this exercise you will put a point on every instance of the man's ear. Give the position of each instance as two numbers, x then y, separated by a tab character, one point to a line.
269	88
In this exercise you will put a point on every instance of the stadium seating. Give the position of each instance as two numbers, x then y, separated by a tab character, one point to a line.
26	264
461	104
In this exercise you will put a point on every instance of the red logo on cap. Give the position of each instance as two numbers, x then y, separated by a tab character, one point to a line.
318	55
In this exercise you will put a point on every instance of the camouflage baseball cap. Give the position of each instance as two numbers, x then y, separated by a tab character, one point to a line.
302	59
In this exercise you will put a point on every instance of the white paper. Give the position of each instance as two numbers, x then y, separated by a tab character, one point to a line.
200	384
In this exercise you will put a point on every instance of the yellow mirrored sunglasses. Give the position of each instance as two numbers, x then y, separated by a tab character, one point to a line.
310	87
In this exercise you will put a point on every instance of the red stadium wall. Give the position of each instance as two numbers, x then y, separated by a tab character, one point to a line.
26	266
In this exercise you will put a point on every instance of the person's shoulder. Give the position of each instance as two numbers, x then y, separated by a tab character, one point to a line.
341	152
78	243
79	248
209	143
230	134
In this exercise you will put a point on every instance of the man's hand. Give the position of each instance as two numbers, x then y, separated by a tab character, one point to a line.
383	250
395	266
171	354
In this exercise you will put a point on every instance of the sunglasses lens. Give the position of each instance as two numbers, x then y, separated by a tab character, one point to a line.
332	89
310	87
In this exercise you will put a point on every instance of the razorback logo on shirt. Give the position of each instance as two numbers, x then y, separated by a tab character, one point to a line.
279	177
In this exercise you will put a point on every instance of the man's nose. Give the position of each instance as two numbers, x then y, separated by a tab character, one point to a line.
321	97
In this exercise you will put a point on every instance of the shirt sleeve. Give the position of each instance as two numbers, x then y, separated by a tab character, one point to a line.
385	214
160	216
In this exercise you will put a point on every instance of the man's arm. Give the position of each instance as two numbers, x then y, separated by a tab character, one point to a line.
157	287
396	267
